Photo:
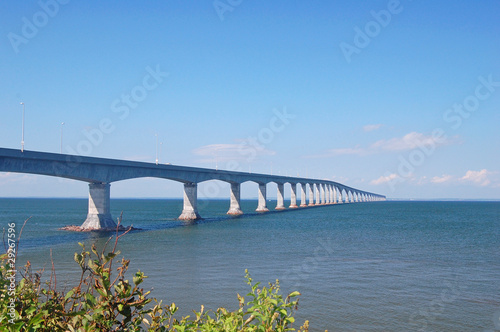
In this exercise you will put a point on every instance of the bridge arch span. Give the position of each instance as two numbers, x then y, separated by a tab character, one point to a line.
99	173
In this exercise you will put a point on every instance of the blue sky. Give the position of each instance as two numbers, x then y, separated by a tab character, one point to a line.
395	97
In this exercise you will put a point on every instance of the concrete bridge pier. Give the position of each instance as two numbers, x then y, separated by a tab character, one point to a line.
322	194
99	215
327	194
319	188
234	208
190	210
280	205
262	206
293	196
317	192
311	194
303	195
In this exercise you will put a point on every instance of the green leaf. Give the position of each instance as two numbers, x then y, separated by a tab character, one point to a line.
29	311
90	299
36	319
69	294
78	258
102	292
138	278
18	326
94	250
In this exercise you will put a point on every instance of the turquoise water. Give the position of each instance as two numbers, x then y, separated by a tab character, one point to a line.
385	266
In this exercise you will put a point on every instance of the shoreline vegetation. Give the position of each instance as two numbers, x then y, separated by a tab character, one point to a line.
104	300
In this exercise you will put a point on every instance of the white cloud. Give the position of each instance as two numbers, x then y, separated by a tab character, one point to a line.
478	177
232	152
340	179
408	142
442	179
10	177
346	151
371	127
482	178
384	179
213	149
419	181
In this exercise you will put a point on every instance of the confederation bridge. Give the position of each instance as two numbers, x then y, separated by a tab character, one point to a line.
100	173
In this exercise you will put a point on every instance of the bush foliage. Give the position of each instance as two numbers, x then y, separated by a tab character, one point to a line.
104	300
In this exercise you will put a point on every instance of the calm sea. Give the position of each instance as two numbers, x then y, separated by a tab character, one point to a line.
385	266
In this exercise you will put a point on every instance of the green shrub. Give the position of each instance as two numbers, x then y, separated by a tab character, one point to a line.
103	301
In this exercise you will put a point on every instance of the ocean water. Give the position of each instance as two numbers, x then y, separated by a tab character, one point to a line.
381	266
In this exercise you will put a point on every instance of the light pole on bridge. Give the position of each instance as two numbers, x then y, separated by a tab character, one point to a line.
22	137
159	153
62	124
156	135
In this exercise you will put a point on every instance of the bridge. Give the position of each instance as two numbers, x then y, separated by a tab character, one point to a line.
101	172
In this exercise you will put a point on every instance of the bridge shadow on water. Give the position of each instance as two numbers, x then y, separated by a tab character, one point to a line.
57	237
176	223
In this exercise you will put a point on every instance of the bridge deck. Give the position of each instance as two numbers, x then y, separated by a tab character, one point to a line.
101	172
